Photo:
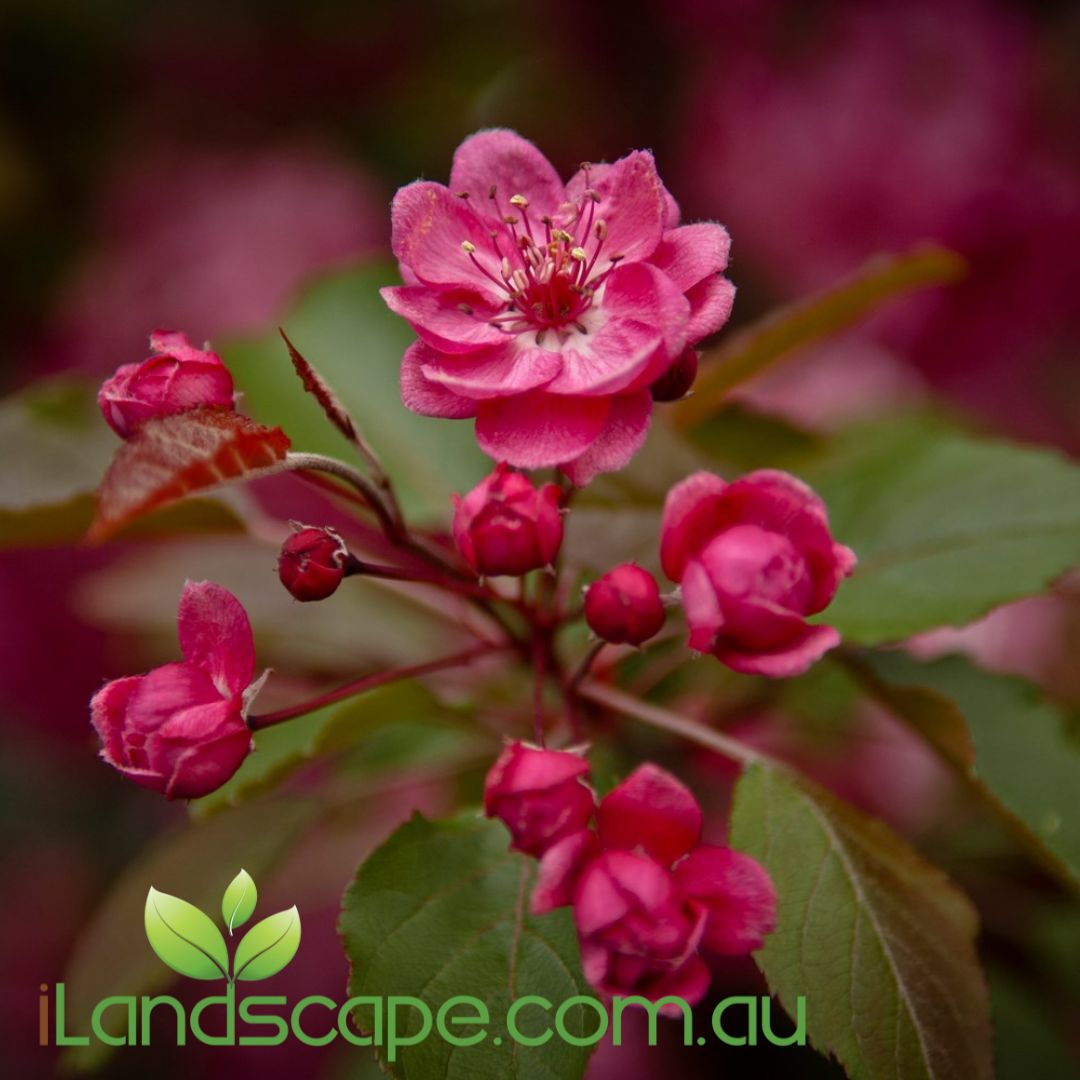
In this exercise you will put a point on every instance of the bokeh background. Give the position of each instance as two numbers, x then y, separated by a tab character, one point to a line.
192	165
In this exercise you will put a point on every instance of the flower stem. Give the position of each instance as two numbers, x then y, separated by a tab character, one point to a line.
370	682
671	722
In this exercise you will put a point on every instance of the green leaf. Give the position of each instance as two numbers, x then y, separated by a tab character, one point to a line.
111	957
1019	759
945	526
441	909
344	329
390	728
184	937
239	901
268	946
750	351
878	941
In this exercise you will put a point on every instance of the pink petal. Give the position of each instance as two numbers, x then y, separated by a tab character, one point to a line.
166	691
689	981
108	708
429	226
559	866
438	318
622	435
633	204
651	811
692	253
701	607
174	343
779	501
794	658
640	328
536	429
493	373
422	396
514	166
711	302
737	894
690	511
206	746
215	635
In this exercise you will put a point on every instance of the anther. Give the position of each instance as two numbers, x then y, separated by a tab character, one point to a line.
468	247
578	253
519	201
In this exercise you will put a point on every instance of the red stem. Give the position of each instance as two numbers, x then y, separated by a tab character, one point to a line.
370	682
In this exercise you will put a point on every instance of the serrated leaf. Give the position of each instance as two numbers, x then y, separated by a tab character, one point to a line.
184	937
268	946
742	355
945	526
1021	765
320	390
359	344
239	901
111	956
441	909
173	456
879	942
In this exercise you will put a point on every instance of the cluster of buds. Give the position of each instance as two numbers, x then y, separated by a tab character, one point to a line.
646	894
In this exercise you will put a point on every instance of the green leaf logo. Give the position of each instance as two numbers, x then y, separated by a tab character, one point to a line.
188	941
239	901
185	938
268	946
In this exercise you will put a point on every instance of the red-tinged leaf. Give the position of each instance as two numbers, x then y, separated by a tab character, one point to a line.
320	390
176	455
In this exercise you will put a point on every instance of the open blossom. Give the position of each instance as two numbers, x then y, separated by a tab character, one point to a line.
177	377
181	729
547	310
753	558
646	894
507	526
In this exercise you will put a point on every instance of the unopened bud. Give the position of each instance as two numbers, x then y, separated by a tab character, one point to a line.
675	383
624	606
312	563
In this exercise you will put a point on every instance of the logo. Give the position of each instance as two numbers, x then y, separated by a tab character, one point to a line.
187	939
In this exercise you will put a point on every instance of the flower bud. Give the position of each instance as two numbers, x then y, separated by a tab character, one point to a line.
181	728
624	606
506	526
675	383
312	563
176	378
539	795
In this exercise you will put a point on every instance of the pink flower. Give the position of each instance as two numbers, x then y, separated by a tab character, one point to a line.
736	894
547	310
180	729
539	795
312	563
652	812
506	526
637	935
754	558
624	606
177	377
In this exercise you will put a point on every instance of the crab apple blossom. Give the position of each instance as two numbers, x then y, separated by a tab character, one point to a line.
651	811
177	377
547	310
507	526
181	729
540	795
312	563
624	606
753	558
637	934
